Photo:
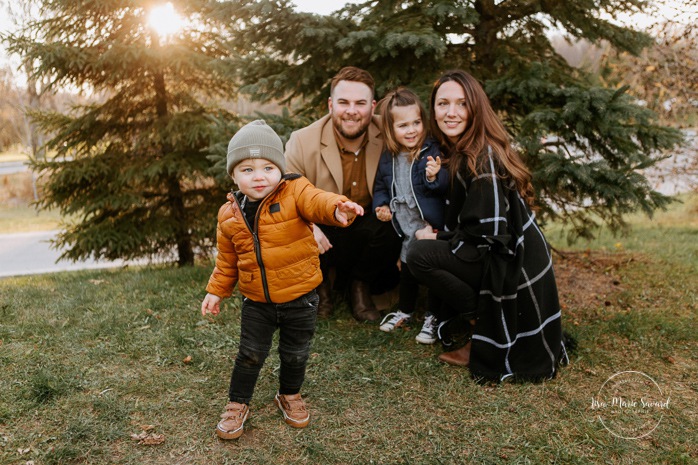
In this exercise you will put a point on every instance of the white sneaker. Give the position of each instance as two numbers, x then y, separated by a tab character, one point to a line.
394	320
428	333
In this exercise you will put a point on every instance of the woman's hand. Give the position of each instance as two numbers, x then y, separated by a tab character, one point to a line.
427	232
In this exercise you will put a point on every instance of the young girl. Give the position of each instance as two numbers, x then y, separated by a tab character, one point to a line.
409	190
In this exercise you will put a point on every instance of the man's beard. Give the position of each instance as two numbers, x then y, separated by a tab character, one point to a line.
360	133
352	136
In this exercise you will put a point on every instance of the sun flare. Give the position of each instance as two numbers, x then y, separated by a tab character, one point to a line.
165	20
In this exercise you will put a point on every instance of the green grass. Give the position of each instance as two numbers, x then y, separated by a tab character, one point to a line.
17	214
670	236
25	218
14	153
90	358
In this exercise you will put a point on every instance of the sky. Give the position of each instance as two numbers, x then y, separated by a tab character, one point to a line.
321	7
328	6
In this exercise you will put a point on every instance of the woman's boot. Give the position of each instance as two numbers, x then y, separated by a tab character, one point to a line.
459	357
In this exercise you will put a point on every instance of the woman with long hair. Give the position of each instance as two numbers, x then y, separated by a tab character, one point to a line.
491	265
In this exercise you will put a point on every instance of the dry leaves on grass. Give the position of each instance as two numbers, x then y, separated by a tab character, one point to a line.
148	437
585	279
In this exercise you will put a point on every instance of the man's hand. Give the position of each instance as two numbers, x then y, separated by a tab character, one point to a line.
211	304
433	167
323	243
383	213
346	211
427	232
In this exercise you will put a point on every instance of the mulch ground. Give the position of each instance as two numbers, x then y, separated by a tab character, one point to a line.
587	279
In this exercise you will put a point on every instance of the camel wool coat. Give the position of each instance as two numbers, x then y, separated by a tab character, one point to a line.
313	152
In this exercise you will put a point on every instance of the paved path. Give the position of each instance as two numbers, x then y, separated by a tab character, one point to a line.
30	253
13	167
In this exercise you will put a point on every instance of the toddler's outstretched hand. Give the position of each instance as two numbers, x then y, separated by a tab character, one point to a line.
433	167
211	304
345	211
383	213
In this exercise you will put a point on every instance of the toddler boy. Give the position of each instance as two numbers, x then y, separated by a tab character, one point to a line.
266	247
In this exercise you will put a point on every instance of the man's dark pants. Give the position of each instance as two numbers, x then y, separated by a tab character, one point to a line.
367	251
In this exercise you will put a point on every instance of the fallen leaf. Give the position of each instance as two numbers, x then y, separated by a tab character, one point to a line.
147	427
148	439
670	359
187	359
153	440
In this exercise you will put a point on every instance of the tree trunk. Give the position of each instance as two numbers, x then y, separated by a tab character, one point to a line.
485	37
185	251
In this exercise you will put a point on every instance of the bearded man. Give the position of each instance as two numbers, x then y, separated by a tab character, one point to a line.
339	153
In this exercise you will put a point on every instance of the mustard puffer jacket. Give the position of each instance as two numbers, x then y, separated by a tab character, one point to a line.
276	259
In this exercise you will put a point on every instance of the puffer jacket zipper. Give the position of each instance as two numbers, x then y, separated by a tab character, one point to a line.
255	239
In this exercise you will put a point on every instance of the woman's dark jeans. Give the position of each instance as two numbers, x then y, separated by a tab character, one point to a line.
296	322
409	293
455	281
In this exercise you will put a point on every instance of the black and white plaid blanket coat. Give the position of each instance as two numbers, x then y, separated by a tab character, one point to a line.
518	333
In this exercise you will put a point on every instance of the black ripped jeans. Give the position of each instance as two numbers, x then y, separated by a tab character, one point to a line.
296	323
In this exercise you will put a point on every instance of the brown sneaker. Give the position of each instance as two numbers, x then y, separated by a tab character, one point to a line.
230	427
293	408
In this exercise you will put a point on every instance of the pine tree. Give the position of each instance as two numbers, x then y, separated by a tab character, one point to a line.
132	166
664	75
586	144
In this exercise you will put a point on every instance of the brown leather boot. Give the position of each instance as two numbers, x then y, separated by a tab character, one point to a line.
324	308
459	357
362	305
